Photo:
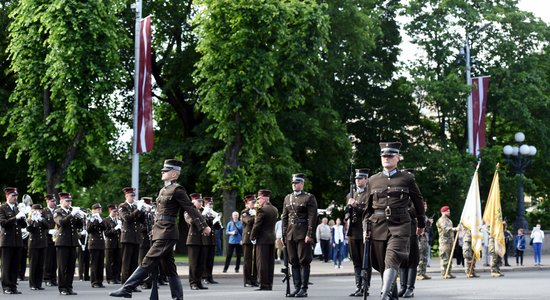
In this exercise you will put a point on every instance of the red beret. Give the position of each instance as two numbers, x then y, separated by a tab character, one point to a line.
444	208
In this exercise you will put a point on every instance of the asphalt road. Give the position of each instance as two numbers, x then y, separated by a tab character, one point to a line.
514	285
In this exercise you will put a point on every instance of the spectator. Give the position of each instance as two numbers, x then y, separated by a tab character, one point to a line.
279	240
519	242
509	242
234	230
323	234
338	234
537	235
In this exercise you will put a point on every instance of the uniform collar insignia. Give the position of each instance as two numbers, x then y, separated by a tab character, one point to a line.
360	190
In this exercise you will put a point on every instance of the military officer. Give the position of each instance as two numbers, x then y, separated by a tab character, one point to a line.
249	266
11	221
68	221
446	239
131	217
209	242
96	246
195	251
387	221
113	258
299	220
38	241
171	198
263	237
356	205
50	262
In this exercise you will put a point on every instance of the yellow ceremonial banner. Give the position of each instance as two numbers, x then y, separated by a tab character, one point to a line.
471	215
493	216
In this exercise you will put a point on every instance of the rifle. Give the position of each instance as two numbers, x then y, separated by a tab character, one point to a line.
365	267
285	269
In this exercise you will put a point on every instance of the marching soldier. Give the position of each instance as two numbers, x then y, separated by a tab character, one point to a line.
209	242
195	249
131	217
299	217
113	257
96	246
446	239
357	203
423	248
11	221
263	237
387	222
38	241
50	262
68	221
496	260
171	198
247	218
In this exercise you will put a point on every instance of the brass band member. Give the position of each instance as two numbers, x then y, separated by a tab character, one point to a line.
299	220
50	263
195	249
132	217
38	241
113	256
96	246
247	218
209	242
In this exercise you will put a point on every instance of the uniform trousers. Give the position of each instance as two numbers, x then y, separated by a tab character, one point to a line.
112	265
83	263
356	248
50	264
130	254
162	253
97	264
266	264
196	263
11	262
66	264
37	256
210	253
249	269
389	253
299	252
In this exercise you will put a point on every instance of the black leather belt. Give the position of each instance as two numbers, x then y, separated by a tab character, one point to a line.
165	218
391	211
298	221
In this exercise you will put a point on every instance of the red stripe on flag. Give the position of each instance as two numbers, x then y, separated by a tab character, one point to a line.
145	105
479	107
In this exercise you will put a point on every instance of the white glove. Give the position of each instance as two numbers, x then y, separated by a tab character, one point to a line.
52	232
140	204
119	223
84	232
206	211
253	242
24	230
75	211
147	207
118	227
36	217
252	212
217	219
20	215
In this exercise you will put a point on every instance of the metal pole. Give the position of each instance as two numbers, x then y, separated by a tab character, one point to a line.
469	104
521	222
135	155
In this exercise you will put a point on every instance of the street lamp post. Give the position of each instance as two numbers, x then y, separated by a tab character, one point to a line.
519	157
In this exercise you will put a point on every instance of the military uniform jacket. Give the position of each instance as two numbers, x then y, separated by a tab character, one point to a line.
67	228
299	216
264	226
96	229
169	201
445	230
248	224
354	215
10	231
388	204
211	238
146	231
131	218
38	234
48	216
112	236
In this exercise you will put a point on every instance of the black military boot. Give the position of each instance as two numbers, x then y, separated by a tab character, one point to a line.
297	279
131	284
403	275
176	289
388	280
305	281
358	283
411	279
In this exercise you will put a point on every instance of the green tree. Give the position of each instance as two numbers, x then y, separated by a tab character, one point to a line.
64	56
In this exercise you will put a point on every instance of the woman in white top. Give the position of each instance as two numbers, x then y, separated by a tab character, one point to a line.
537	235
338	236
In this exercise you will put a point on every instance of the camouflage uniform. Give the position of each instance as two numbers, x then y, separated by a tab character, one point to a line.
468	254
495	259
446	239
423	245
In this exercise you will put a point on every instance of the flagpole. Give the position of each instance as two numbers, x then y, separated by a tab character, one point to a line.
470	110
135	155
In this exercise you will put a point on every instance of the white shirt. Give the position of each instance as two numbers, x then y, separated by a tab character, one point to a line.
338	234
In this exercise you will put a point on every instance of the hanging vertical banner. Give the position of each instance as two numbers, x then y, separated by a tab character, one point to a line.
480	87
144	136
471	215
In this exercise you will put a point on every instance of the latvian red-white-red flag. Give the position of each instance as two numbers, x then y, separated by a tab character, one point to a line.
479	107
145	104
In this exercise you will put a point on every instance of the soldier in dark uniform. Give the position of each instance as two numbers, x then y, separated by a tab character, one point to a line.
209	242
11	241
247	218
132	218
299	217
113	257
68	221
50	262
387	221
171	198
38	240
263	237
145	231
83	254
195	251
96	246
357	203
